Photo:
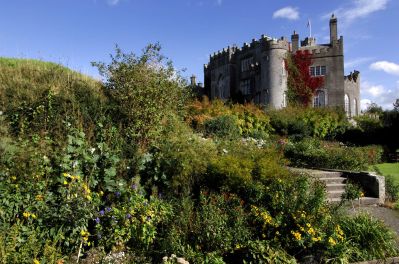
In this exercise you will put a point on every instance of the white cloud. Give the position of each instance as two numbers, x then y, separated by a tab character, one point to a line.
113	2
287	12
356	62
386	66
364	103
358	9
378	94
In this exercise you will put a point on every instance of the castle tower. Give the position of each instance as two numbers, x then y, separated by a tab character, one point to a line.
277	81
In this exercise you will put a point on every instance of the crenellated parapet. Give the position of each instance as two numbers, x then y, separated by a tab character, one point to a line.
352	77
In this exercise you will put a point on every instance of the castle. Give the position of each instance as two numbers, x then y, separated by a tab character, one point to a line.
256	72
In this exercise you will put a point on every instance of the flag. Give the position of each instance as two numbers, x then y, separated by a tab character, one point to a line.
308	25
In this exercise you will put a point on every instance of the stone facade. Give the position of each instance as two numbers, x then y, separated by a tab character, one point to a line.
256	72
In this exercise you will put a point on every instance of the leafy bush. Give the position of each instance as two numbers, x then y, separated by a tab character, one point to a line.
223	127
213	227
391	189
316	122
177	163
143	90
250	119
314	153
259	251
130	221
369	238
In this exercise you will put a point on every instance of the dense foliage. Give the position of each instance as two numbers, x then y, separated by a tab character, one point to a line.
132	171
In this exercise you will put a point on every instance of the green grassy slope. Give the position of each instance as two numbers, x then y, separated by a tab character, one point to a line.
391	169
39	96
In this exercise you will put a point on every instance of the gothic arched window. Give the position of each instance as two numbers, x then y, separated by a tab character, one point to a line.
347	106
320	99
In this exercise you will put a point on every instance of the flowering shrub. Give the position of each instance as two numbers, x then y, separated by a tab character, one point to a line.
250	119
130	220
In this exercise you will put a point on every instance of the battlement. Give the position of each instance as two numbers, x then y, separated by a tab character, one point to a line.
264	41
325	50
352	77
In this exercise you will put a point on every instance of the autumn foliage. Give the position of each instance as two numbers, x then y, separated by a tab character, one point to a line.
301	85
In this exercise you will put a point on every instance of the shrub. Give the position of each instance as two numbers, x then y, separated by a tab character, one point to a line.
369	238
302	122
259	251
143	90
207	229
391	189
223	127
130	220
178	162
250	119
314	153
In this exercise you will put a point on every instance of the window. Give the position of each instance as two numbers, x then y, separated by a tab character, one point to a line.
246	64
347	106
312	71
320	99
318	70
323	70
245	87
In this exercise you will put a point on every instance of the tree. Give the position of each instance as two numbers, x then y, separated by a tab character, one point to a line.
143	91
396	105
301	85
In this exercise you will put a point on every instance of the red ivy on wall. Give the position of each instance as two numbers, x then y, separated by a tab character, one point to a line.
301	85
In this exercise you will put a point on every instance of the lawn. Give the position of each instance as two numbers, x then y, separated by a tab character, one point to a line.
388	169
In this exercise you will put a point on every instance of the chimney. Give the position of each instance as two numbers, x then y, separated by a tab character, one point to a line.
295	42
193	80
333	30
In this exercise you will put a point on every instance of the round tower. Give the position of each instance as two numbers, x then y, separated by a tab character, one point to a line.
277	73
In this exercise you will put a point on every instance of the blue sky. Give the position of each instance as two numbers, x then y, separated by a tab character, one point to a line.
76	32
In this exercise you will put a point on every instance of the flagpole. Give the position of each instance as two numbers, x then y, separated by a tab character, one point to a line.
310	28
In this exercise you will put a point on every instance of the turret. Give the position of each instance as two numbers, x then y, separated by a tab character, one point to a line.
333	30
295	42
193	80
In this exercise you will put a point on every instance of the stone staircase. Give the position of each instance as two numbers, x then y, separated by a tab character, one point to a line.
335	184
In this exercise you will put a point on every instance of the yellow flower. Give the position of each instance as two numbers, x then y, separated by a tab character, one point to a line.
13	178
33	216
308	225
39	197
26	214
311	231
315	239
35	261
65	182
297	235
332	241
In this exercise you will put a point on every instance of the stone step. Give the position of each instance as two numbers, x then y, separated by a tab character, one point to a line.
363	201
333	180
335	194
335	187
326	174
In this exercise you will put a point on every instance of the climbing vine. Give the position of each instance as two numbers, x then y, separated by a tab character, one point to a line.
301	85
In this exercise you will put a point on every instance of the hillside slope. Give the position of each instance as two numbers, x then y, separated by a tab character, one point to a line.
36	95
